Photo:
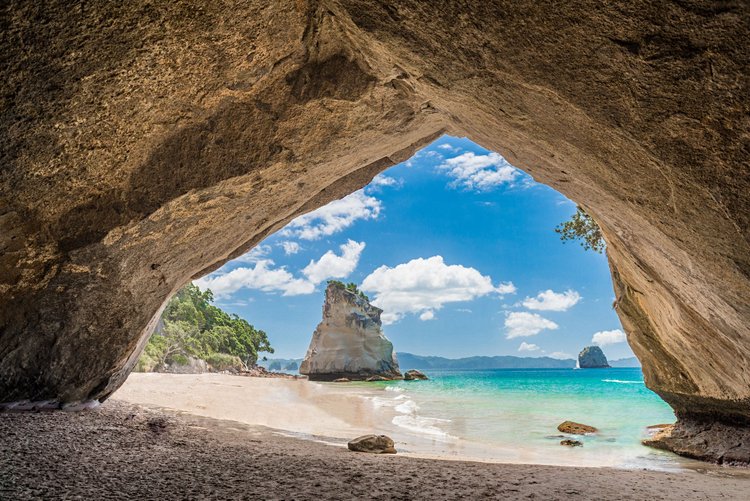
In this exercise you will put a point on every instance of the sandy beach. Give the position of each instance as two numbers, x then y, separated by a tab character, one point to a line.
126	451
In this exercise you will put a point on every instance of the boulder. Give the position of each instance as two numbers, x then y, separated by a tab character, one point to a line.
414	374
377	378
375	444
571	443
592	357
575	428
349	341
342	380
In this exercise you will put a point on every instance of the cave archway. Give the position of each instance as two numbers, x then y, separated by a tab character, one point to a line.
145	146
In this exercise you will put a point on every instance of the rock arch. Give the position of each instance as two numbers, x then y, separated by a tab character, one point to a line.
144	145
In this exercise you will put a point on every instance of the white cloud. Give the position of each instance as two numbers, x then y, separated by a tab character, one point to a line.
332	266
560	355
261	277
523	324
603	338
255	254
334	217
427	315
426	284
552	301
479	172
528	347
383	180
290	247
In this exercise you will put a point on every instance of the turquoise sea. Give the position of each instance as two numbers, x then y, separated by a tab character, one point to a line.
512	415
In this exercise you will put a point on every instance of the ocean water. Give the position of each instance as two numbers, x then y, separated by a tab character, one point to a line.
512	415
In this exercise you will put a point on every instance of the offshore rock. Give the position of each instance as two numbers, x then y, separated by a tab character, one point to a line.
575	428
349	342
592	357
414	375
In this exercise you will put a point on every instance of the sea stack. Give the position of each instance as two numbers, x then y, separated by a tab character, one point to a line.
349	341
592	357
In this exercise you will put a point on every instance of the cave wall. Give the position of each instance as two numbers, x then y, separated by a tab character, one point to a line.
148	143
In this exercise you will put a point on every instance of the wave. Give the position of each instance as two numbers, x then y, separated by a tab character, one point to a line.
407	407
423	425
394	388
620	381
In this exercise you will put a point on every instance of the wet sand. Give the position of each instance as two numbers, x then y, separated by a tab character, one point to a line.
124	451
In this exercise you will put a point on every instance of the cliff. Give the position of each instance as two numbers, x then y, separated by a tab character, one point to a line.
349	342
592	357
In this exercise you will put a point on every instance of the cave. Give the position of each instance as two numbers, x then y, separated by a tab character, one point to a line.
145	146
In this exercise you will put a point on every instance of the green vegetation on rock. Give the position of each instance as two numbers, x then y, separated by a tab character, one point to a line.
193	328
351	287
583	228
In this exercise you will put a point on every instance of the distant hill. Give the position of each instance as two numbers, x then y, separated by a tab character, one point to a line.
280	364
410	361
625	362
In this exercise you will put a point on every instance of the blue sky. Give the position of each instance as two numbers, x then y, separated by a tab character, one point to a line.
456	245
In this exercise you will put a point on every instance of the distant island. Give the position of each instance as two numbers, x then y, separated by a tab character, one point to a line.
411	361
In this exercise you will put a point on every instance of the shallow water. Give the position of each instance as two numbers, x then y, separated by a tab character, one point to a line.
512	415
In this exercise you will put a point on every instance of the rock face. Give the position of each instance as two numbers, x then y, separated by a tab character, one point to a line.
349	342
375	444
141	147
592	357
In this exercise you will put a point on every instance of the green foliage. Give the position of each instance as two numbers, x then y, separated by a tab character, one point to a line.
351	287
193	327
583	228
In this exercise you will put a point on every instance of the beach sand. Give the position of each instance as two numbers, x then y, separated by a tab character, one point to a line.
127	451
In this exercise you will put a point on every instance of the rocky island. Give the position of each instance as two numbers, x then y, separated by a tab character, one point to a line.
349	341
592	357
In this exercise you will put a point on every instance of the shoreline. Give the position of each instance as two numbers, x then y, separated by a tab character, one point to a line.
98	453
334	413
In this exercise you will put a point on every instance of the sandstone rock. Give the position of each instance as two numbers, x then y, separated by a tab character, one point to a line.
592	357
342	380
571	443
349	342
142	148
376	444
414	374
706	440
575	428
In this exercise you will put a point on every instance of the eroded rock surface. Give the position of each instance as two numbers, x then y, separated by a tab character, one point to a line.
143	145
349	341
374	444
592	357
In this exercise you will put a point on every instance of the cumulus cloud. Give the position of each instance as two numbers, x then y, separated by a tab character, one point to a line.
603	338
524	324
332	266
383	180
334	217
427	315
479	172
290	247
255	254
528	347
423	285
552	301
263	276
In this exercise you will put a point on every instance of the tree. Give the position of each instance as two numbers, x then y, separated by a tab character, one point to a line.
583	228
193	327
351	287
